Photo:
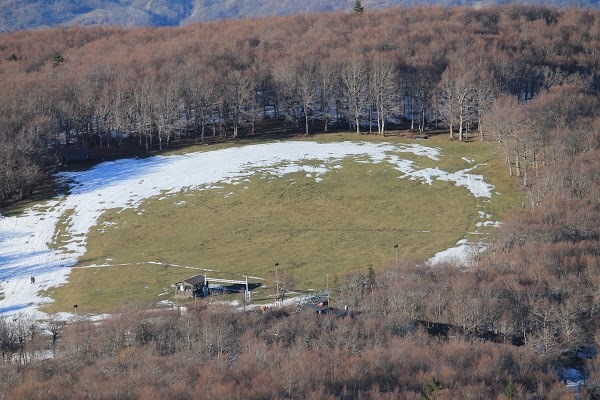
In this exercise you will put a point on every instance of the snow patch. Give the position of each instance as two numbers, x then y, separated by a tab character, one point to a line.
495	224
483	214
462	255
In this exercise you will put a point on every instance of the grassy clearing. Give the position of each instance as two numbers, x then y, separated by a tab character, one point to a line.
107	289
347	222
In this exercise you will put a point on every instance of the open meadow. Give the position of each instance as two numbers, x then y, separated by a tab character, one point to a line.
331	204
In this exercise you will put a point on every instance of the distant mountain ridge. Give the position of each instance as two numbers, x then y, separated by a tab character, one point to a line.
34	14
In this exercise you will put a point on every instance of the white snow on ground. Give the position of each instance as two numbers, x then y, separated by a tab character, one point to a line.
459	255
122	184
488	223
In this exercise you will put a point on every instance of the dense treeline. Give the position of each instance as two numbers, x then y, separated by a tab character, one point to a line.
67	91
219	354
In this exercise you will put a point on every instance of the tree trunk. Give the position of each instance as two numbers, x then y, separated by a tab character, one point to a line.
525	181
517	159
412	114
371	118
460	129
306	121
480	127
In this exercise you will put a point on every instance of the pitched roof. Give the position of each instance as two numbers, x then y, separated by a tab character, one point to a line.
195	280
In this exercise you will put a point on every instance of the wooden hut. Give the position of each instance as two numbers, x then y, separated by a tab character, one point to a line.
195	286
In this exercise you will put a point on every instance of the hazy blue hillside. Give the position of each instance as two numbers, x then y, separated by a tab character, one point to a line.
32	14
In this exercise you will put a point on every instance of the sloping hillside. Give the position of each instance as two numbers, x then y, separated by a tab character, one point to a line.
32	14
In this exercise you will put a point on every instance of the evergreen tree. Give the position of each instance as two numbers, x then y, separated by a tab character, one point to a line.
57	59
430	389
510	390
358	7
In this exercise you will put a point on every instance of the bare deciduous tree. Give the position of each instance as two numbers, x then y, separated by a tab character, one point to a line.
355	79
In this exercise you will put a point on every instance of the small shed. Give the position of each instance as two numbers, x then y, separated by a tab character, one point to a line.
191	287
197	286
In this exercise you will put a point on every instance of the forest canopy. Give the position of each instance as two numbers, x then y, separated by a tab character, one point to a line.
70	91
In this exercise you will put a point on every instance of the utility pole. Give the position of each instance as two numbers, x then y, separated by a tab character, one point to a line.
328	289
277	282
396	253
247	290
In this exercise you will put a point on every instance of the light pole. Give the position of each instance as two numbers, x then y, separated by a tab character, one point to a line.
396	253
277	282
328	289
247	292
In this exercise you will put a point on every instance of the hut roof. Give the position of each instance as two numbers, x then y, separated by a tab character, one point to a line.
195	280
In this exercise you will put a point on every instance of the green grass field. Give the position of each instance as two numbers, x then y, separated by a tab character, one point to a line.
347	222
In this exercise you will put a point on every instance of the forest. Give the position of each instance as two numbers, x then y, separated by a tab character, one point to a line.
69	92
524	77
